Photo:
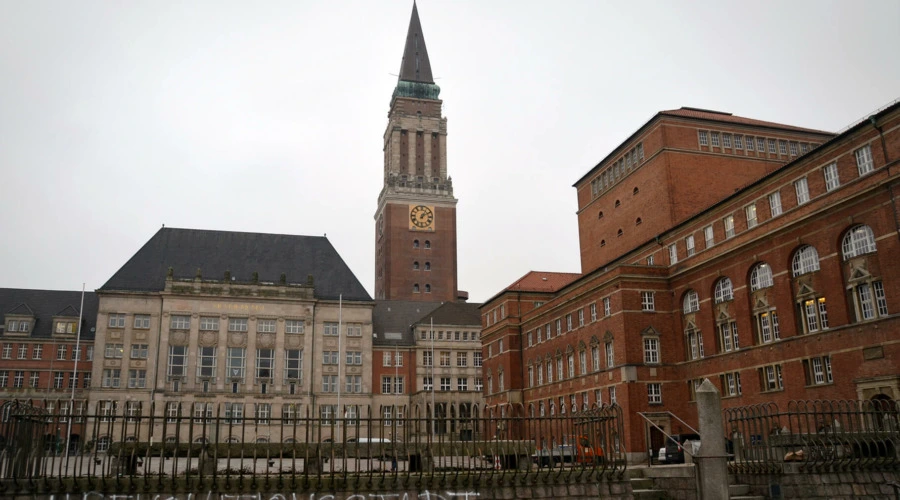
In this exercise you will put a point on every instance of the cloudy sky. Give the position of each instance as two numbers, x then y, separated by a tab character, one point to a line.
118	117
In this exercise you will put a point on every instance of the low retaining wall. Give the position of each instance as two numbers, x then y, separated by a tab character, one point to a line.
822	486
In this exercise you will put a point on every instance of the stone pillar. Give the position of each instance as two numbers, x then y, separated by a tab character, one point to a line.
712	468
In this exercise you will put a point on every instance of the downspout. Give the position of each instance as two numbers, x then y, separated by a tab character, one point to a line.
311	357
158	346
887	161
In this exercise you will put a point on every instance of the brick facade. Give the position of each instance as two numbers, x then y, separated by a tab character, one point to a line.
834	308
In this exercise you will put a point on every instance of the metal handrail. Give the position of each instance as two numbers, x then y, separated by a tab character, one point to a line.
668	436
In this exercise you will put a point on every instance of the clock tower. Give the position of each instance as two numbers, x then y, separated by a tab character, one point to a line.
415	222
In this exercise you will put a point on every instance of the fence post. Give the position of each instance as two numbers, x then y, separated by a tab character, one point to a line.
712	468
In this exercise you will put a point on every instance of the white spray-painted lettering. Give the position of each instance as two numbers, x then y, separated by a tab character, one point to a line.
211	495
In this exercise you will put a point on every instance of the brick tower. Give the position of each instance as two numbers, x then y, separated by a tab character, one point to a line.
415	222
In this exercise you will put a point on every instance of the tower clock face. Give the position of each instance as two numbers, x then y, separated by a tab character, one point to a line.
421	217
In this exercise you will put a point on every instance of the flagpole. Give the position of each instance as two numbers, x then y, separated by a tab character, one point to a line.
339	413
433	381
75	370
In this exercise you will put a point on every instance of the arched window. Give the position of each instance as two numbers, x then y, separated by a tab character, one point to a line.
724	292
427	288
416	265
602	243
619	233
618	203
691	302
427	244
760	277
858	241
103	444
428	266
416	288
600	215
635	191
806	260
415	243
637	222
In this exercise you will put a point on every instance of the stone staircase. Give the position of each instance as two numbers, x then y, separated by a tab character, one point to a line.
675	482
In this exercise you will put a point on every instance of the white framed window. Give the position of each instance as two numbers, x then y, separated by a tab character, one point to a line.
111	351
580	317
650	260
549	372
723	291
329	383
607	308
112	378
648	301
462	359
37	352
750	212
830	172
180	322
673	254
689	244
726	140
331	329
116	320
802	189
738	142
595	357
62	349
729	226
265	325
353	358
293	365
761	277
869	301
704	138
691	302
793	149
265	364
236	362
714	138
814	314
582	362
770	378
767	326
775	203
209	323
761	145
806	260
593	312
708	236
294	326
771	146
750	143
570	365
651	350
331	357
206	362
353	384
859	240
569	322
141	321
140	351
695	343
864	161
22	352
782	147
732	384
818	370
654	393
610	355
137	379
728	336
477	359
177	361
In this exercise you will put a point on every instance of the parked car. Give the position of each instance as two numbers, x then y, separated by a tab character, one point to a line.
562	454
675	446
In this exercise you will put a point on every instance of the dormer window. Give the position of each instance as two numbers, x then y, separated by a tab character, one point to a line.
64	327
18	326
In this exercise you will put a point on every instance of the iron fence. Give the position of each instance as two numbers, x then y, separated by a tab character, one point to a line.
202	446
815	436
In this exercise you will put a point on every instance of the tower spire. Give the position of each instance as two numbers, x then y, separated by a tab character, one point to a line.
415	66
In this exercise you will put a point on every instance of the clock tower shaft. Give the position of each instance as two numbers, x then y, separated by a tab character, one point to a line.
415	221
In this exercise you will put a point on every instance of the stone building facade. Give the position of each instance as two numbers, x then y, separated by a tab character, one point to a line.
777	288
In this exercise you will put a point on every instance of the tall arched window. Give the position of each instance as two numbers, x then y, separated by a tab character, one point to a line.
427	288
416	265
806	260
691	302
416	288
428	266
427	244
858	241
415	243
724	291
760	277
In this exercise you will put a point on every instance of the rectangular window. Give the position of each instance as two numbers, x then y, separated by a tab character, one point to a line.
647	301
708	236
139	351
265	325
22	352
234	413
607	309
673	254
462	384
772	146
354	358
728	336
818	370
761	145
750	140
235	361
832	181
427	383
61	352
427	358
729	226
770	378
354	330
569	322
530	338
34	380
582	362
177	360
782	147
750	212
265	364
714	138
353	384
111	378
793	149
610	355
293	364
732	384
595	358
654	394
864	161
462	358
445	358
111	351
209	323
651	350
332	329
476	359
137	379
180	322
445	384
650	260
237	324
767	326
37	352
593	312
330	357
294	326
329	383
689	244
695	342
206	365
116	320
581	317
738	142
558	327
141	321
726	140
802	189
704	138
775	203
19	379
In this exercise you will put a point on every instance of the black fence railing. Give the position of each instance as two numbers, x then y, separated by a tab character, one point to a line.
815	436
202	446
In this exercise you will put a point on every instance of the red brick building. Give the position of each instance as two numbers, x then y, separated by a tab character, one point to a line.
772	273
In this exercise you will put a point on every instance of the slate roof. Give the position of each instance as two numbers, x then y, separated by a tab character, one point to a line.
415	66
721	116
454	313
396	316
541	281
214	252
45	304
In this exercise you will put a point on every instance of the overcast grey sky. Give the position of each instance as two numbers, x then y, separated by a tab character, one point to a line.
118	117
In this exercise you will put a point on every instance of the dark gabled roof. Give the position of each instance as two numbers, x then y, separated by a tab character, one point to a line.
45	304
454	313
415	66
396	317
214	252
